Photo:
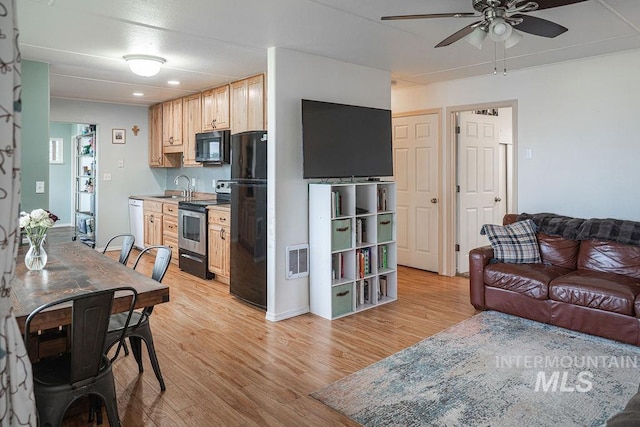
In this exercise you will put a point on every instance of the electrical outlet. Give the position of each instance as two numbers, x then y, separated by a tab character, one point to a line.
120	163
106	177
528	153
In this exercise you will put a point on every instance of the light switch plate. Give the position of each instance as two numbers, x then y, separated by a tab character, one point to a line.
39	186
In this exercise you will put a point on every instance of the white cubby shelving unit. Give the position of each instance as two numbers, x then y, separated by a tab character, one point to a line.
352	244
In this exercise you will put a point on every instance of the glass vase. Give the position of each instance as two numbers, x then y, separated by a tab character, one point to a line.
36	257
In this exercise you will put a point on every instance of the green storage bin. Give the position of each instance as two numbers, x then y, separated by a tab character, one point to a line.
340	234
385	228
341	300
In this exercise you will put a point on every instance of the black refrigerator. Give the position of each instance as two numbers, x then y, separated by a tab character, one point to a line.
249	217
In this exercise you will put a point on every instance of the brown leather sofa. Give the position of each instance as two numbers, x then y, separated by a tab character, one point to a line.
589	285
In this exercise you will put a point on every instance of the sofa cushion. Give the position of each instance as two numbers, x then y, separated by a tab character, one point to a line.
514	243
596	289
555	250
610	257
528	279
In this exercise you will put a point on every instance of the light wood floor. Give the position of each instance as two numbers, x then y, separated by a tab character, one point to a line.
225	365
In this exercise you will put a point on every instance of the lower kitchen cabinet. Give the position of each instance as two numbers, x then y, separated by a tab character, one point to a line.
219	221
152	223
170	229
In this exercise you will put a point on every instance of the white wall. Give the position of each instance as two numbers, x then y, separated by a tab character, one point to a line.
577	117
292	76
134	178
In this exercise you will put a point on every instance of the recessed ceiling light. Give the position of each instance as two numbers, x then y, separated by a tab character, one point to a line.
138	94
173	82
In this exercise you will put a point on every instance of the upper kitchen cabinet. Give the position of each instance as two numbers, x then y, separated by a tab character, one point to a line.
157	154
191	124
155	136
172	126
215	108
247	104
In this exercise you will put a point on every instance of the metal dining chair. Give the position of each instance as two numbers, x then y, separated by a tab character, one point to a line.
127	244
139	328
85	369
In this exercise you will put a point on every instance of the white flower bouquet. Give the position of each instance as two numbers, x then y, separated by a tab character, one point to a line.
36	224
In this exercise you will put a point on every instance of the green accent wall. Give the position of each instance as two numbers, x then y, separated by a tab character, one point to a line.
61	175
35	134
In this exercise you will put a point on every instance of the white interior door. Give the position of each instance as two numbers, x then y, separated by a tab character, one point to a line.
480	192
415	148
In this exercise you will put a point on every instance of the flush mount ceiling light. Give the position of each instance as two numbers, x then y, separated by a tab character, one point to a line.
144	65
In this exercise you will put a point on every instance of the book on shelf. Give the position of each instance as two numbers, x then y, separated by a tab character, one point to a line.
363	256
382	199
363	295
382	281
367	290
337	261
358	231
336	204
382	257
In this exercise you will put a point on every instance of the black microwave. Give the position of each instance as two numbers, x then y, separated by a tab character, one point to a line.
213	147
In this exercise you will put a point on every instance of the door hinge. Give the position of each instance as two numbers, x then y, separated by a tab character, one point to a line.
457	188
457	247
458	130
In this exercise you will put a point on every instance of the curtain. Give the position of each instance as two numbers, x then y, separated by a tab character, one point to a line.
17	402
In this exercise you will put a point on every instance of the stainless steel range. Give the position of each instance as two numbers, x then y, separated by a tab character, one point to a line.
192	232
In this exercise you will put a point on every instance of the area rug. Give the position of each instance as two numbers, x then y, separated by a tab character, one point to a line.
493	370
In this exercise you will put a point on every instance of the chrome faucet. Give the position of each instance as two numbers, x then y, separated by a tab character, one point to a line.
187	192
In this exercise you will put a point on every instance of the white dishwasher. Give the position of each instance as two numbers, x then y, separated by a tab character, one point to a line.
136	221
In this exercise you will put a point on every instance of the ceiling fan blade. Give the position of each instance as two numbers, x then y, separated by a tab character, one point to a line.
458	35
548	4
538	26
429	15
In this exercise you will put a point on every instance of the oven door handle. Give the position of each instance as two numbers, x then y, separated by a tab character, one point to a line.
191	257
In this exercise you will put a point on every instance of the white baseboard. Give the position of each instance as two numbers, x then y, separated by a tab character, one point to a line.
287	315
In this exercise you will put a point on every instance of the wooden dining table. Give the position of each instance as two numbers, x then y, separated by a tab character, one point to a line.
74	267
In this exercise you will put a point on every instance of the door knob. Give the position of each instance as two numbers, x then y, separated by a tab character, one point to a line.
497	199
434	200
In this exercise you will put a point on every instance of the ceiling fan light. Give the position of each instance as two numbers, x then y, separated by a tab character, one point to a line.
144	65
499	30
513	39
476	37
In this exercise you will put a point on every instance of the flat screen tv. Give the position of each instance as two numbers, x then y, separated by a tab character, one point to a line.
345	141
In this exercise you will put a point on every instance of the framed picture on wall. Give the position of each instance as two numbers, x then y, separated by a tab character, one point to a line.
56	151
118	136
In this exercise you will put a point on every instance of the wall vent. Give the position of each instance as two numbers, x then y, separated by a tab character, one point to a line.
297	261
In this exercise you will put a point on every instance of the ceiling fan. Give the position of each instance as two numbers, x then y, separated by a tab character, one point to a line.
499	19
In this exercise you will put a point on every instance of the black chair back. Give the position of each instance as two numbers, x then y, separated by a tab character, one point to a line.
85	370
90	322
127	244
161	264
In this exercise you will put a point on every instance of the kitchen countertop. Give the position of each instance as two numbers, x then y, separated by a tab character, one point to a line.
174	197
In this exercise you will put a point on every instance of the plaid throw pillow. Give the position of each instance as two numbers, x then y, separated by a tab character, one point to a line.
514	243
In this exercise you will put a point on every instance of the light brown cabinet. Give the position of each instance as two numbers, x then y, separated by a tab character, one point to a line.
247	104
191	124
152	223
155	136
215	109
172	126
219	243
170	229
